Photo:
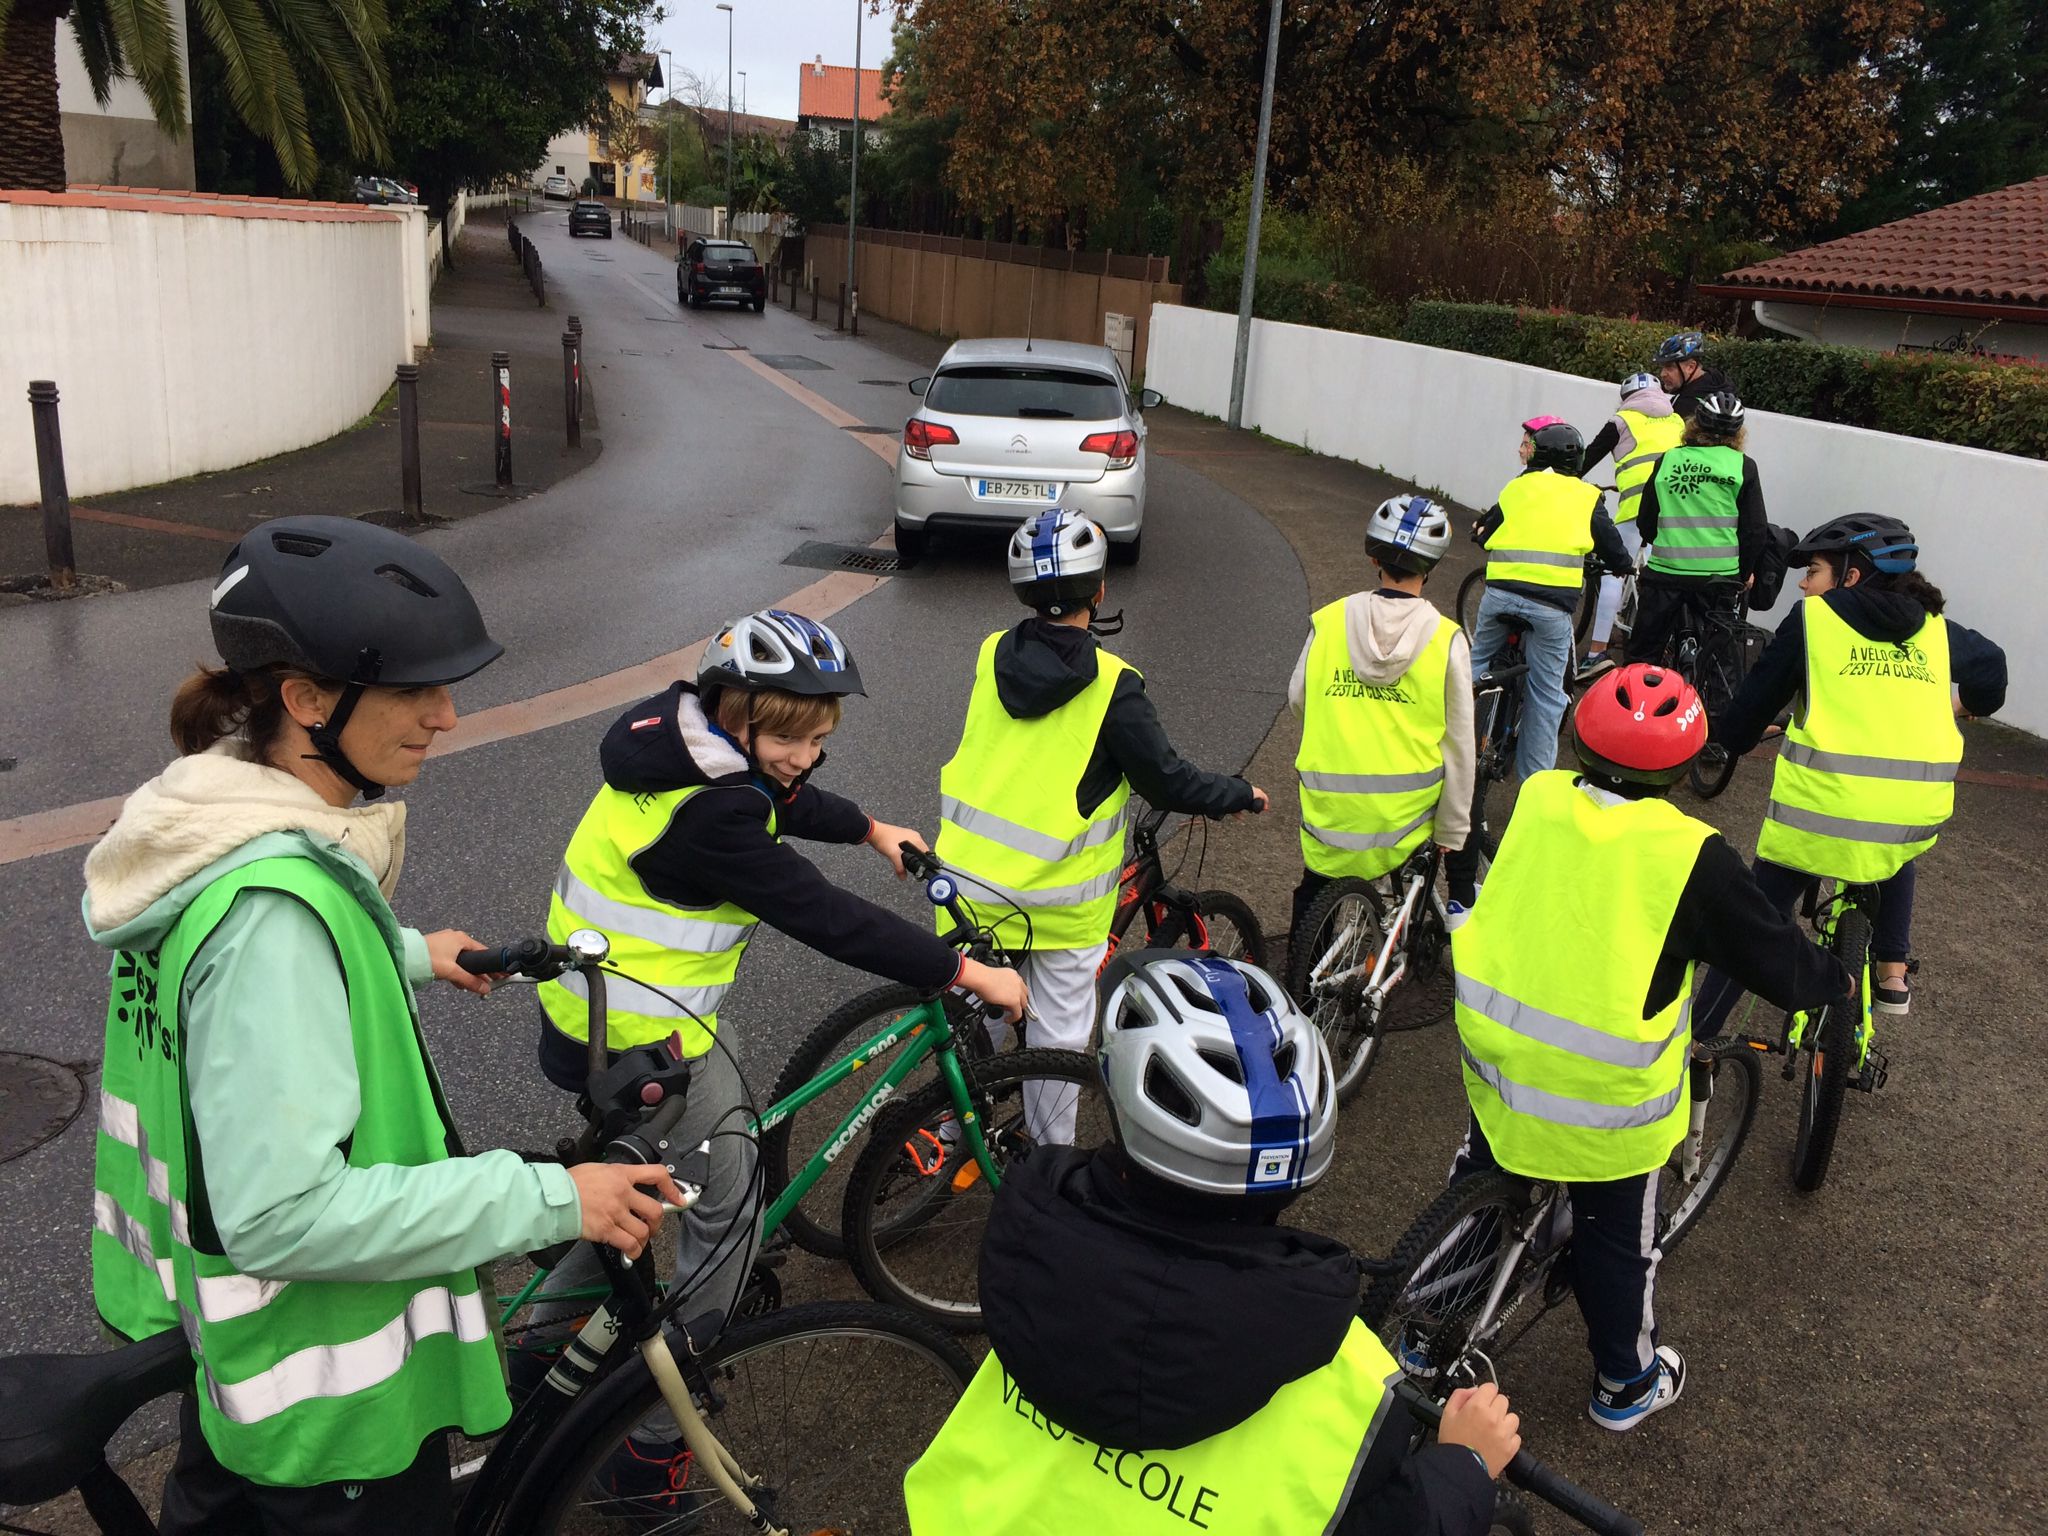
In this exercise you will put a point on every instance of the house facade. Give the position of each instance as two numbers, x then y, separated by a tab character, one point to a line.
827	100
120	144
625	170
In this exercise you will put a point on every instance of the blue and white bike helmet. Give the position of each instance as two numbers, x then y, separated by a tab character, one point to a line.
1408	533
1056	561
776	648
1676	349
1217	1082
1635	383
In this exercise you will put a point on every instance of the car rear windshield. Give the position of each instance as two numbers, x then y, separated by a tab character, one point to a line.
1059	394
729	253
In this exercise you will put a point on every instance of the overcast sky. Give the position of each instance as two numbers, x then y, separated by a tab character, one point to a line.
770	40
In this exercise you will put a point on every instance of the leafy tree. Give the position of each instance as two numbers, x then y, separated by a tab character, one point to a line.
814	183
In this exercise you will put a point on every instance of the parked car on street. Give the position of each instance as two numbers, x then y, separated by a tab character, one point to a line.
557	186
371	189
590	218
727	271
1005	428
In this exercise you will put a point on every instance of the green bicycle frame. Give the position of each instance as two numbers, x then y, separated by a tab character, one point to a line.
918	1032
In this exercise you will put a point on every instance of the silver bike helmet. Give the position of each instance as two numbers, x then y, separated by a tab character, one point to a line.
1056	561
778	649
1637	382
1408	534
1217	1082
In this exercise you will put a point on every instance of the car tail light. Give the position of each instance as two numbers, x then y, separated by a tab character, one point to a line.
697	267
1122	447
920	437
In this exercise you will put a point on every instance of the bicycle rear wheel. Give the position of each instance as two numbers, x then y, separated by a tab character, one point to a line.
1471	593
1340	935
1725	1085
1219	921
1424	1307
914	1224
1829	1049
1720	672
826	1403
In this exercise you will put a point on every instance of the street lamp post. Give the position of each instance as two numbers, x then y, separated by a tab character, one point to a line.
743	93
668	174
728	116
853	181
1251	233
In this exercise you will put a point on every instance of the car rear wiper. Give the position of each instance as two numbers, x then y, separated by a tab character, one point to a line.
1046	412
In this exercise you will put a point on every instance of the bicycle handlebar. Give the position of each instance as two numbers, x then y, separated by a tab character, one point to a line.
528	957
1532	1476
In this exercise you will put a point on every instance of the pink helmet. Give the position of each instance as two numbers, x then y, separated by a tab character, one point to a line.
1536	424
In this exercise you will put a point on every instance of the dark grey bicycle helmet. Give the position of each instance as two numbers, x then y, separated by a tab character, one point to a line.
1676	349
1720	413
1558	446
1883	543
351	603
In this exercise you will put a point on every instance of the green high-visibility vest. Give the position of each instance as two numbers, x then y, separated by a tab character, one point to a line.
1372	755
1867	775
686	956
303	1381
1546	530
1565	1075
1643	438
1000	1467
1009	818
1696	517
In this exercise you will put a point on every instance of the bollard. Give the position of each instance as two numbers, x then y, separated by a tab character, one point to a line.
501	410
571	389
840	323
409	442
792	293
576	325
853	322
814	299
42	400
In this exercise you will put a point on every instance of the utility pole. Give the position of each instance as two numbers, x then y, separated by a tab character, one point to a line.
743	93
668	175
853	183
1251	233
728	117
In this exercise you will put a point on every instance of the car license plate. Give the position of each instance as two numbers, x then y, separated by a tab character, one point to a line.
729	288
1015	490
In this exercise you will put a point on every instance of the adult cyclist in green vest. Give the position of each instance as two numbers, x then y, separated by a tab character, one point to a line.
1643	426
1059	733
1575	1054
1702	514
1865	778
1217	1377
1384	689
276	1169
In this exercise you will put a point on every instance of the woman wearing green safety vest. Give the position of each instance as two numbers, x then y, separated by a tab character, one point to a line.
276	1171
1865	780
1702	514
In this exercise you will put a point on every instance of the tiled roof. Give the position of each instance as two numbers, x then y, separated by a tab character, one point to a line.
214	204
1990	251
826	90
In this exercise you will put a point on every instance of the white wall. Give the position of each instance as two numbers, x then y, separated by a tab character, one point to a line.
1447	422
120	142
191	341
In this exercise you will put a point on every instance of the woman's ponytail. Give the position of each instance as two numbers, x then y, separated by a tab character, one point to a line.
215	703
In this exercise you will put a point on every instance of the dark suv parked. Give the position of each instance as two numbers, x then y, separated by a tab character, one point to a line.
725	270
590	218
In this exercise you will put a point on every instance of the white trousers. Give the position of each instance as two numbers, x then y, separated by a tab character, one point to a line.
1062	983
1610	586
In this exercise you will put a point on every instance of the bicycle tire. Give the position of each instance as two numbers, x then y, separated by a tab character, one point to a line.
1734	1072
1712	770
825	1474
1461	1258
1511	1515
1353	1040
814	1223
1471	593
1829	1051
1233	928
914	1238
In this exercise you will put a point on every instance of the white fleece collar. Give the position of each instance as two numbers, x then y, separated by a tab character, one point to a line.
709	748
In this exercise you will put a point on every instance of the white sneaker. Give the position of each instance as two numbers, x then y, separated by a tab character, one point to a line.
1621	1406
1455	913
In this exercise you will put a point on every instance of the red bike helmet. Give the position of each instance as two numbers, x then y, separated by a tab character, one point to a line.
1640	725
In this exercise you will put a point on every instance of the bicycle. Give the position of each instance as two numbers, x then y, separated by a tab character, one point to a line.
1713	648
1472	592
1349	964
1496	732
767	1382
1172	917
1488	1250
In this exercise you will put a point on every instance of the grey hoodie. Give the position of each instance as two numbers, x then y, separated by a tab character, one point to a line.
1386	631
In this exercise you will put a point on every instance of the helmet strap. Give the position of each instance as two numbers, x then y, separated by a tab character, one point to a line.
326	738
1104	628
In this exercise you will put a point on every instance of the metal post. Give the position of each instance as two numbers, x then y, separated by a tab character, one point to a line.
814	296
569	390
501	411
853	179
728	119
1251	233
668	174
409	442
840	323
853	313
42	401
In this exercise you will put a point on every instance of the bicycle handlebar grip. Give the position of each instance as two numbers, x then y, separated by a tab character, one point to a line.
484	962
514	958
1566	1496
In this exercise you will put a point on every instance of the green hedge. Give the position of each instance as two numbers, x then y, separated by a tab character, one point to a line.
1302	295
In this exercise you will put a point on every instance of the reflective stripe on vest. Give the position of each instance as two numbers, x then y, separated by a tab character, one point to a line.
1643	440
1865	780
1010	821
1696	512
1546	530
677	963
1000	1467
1566	1077
1372	754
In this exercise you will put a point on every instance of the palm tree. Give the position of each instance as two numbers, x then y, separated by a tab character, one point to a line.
262	44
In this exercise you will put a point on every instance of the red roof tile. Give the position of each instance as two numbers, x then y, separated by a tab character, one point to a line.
826	90
1989	250
205	204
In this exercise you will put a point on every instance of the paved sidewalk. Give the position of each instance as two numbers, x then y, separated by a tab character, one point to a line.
178	531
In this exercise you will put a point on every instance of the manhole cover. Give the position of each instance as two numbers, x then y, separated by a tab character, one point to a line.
38	1098
791	363
878	431
847	557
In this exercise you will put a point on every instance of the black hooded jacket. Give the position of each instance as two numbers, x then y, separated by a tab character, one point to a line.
1141	1329
1041	665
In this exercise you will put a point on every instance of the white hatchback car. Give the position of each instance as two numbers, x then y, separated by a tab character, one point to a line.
1006	428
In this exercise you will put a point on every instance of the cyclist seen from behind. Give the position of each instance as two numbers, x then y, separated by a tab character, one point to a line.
1703	518
276	1165
1681	366
1032	803
1643	426
1219	1378
1575	1054
1384	689
1865	781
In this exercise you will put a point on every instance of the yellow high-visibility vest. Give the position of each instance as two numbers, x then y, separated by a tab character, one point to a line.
1546	530
1643	438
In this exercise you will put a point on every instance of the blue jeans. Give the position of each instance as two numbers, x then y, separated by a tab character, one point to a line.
1548	649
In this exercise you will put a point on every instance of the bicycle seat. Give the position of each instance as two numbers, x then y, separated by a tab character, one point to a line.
57	1412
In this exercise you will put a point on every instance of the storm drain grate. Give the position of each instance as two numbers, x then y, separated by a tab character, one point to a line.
886	383
724	346
847	557
878	431
792	363
39	1097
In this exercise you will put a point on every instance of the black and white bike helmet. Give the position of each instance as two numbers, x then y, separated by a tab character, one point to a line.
1217	1082
1636	383
777	649
1408	534
1720	413
1056	562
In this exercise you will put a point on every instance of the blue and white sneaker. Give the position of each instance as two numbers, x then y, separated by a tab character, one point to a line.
1455	913
1621	1406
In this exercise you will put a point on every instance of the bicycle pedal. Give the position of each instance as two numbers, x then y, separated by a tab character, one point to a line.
1875	1070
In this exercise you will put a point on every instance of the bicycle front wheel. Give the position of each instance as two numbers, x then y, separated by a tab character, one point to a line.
1424	1308
1719	677
1830	1051
1725	1084
1471	593
917	1205
1222	923
826	1404
1330	961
